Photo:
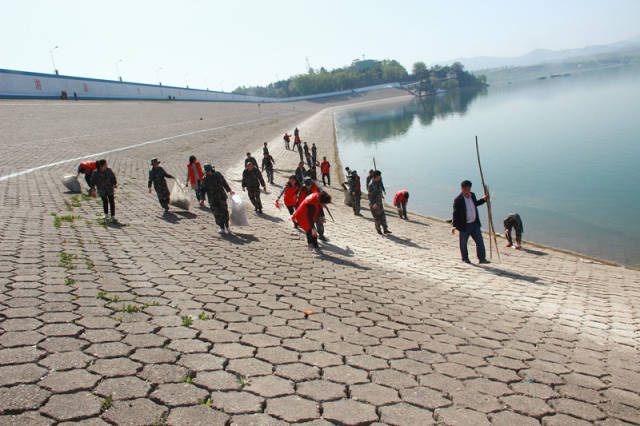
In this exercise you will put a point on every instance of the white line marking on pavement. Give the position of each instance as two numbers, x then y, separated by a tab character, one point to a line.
195	132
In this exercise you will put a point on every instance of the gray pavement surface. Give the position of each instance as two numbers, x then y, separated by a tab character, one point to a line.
160	320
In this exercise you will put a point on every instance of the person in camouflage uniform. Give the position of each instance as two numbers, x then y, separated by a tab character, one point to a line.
355	190
216	188
375	203
105	181
158	176
251	181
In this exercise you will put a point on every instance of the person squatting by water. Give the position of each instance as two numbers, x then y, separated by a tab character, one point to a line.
251	182
325	169
376	190
400	201
105	182
307	189
513	221
467	222
290	192
306	215
194	177
267	164
355	189
87	168
287	139
158	176
215	187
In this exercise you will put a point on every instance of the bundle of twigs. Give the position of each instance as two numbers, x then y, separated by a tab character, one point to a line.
486	192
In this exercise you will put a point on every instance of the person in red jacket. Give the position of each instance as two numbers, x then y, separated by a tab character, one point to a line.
309	187
87	167
306	215
194	177
287	139
290	192
400	201
325	168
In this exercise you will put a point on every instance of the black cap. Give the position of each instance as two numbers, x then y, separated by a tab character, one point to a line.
377	173
208	167
154	161
307	181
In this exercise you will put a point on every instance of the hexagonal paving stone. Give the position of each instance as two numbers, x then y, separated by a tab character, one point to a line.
321	359
460	417
135	412
72	406
20	355
249	367
22	397
201	362
31	418
507	418
114	367
393	378
189	346
404	414
270	386
367	362
123	388
321	390
174	394
374	394
59	330
145	340
345	374
218	380
237	402
66	360
526	405
63	344
109	350
71	380
256	420
154	355
424	397
349	412
199	415
20	338
297	371
292	408
233	350
163	373
22	373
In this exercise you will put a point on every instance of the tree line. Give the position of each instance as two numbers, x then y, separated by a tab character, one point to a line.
362	74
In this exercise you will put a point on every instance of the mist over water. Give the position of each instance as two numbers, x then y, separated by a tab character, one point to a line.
564	153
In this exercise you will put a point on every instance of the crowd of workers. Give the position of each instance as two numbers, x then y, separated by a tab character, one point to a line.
302	195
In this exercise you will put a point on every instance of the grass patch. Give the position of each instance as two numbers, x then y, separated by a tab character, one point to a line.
242	380
187	321
204	316
65	261
90	264
69	281
102	295
106	403
75	201
130	309
69	206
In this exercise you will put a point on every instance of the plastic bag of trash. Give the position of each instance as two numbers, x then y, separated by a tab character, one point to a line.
71	183
238	215
179	197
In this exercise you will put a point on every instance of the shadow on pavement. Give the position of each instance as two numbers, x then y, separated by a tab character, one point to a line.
240	239
508	274
170	217
186	215
340	261
116	225
535	252
337	250
270	218
415	222
404	241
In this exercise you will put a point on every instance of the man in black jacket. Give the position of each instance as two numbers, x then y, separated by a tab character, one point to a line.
375	192
466	221
251	181
300	173
267	163
216	188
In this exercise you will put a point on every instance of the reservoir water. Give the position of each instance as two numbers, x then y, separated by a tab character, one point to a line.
564	153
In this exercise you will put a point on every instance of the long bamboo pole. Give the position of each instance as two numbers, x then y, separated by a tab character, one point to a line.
486	192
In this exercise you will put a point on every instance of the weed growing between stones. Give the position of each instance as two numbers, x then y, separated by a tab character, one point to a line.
130	309
187	321
204	316
106	403
69	281
65	261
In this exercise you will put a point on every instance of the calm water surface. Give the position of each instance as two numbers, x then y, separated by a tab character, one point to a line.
564	153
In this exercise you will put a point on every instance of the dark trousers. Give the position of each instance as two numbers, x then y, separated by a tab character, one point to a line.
196	188
518	235
300	152
328	176
320	226
164	201
87	178
356	203
270	175
379	218
473	231
108	201
311	240
291	209
254	197
402	210
220	213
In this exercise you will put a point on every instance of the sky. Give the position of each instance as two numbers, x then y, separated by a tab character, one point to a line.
221	45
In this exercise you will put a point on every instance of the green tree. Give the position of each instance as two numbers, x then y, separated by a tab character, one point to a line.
419	68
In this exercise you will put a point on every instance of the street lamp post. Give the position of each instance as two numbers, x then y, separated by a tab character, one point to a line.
158	75
118	69
186	83
55	70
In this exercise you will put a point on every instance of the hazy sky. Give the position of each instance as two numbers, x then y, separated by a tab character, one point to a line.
223	44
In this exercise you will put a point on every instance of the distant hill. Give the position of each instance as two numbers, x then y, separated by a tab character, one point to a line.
544	56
